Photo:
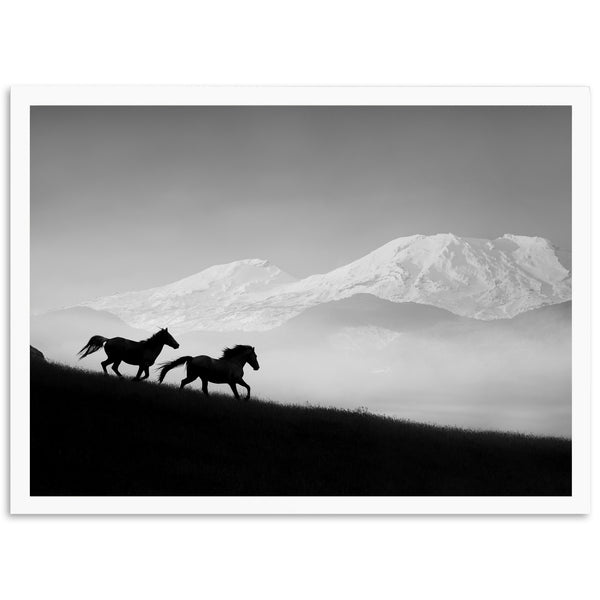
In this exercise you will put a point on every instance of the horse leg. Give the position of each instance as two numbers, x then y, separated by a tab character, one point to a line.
139	373
187	380
205	386
105	364
146	372
234	390
115	367
244	384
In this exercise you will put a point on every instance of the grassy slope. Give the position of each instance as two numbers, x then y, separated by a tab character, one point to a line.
96	435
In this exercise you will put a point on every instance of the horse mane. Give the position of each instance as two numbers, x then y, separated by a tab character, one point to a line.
229	353
153	336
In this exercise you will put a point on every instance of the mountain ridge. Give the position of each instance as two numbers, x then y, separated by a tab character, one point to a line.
469	277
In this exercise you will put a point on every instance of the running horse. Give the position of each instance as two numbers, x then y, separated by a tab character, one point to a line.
119	350
227	369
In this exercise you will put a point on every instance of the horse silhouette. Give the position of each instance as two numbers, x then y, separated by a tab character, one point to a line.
227	369
119	350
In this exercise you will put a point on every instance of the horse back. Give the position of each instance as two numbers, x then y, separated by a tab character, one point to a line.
121	343
203	362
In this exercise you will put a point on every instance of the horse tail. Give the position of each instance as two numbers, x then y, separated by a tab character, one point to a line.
164	368
96	342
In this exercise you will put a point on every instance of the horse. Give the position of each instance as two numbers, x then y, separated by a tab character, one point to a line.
227	369
119	350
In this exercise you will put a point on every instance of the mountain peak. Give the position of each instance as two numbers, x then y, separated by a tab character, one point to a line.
527	240
252	262
236	273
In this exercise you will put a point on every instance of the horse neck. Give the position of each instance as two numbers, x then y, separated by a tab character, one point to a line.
239	361
154	344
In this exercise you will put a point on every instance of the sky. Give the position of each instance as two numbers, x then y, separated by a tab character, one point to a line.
126	198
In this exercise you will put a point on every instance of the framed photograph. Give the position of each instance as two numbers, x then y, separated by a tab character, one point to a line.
300	300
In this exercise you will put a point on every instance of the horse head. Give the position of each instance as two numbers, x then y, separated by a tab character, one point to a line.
168	339
252	359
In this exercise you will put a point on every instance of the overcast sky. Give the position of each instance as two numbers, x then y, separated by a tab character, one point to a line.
126	198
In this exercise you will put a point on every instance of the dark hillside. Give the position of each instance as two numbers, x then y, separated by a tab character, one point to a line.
97	435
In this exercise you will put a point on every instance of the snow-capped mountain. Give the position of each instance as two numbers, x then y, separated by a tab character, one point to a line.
476	278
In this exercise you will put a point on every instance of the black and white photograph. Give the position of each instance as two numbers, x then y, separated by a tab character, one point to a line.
300	301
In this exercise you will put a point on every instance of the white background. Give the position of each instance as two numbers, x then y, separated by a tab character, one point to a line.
425	43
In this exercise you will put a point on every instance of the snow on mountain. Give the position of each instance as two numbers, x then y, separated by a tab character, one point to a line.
220	298
476	278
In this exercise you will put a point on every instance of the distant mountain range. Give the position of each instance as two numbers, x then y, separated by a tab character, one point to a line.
469	277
